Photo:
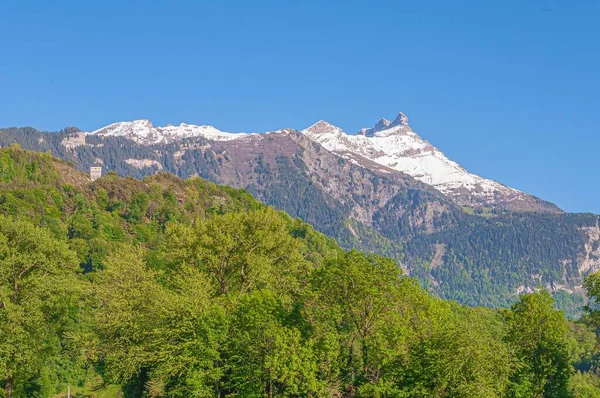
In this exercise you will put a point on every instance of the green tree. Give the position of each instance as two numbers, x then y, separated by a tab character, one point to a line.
460	359
37	282
584	385
159	334
127	295
356	305
267	357
539	336
592	286
240	251
187	341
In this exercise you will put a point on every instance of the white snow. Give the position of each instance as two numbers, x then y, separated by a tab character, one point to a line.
396	146
143	132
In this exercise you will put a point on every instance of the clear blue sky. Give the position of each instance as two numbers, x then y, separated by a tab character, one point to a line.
508	88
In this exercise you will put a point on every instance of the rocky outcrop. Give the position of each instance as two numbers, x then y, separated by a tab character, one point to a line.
589	259
141	163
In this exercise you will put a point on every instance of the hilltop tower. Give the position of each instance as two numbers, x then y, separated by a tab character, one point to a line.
95	172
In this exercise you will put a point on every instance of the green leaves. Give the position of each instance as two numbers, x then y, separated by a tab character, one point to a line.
460	359
240	252
192	290
37	282
539	336
266	356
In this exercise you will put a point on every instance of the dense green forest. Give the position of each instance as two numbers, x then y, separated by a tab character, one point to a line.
168	288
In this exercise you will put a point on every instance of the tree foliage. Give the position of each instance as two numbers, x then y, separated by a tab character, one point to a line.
171	288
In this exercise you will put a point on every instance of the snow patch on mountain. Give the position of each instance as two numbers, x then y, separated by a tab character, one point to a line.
143	132
396	146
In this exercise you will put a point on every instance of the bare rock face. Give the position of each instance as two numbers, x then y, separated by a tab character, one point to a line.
401	120
382	124
589	259
141	163
74	140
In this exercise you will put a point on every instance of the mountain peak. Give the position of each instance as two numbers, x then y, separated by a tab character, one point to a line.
140	127
322	127
382	124
141	123
143	132
401	120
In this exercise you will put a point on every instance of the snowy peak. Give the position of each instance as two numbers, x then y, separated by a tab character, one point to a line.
139	128
143	132
401	120
395	146
323	127
382	124
398	126
331	137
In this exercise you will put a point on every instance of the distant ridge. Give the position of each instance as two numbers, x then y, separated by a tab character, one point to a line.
393	145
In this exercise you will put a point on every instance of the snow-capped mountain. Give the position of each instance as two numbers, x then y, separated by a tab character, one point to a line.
396	146
386	147
143	132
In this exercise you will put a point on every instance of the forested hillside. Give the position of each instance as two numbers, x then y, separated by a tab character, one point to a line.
168	288
477	256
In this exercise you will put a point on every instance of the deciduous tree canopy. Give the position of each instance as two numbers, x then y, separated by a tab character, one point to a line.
171	288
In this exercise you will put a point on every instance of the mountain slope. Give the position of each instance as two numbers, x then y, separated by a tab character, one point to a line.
396	146
487	257
388	145
284	168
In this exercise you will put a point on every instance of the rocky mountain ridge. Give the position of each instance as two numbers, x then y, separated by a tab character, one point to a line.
395	145
387	145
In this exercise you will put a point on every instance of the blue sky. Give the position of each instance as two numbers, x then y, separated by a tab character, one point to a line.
508	88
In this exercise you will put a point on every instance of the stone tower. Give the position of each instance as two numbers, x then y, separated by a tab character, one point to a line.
95	172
